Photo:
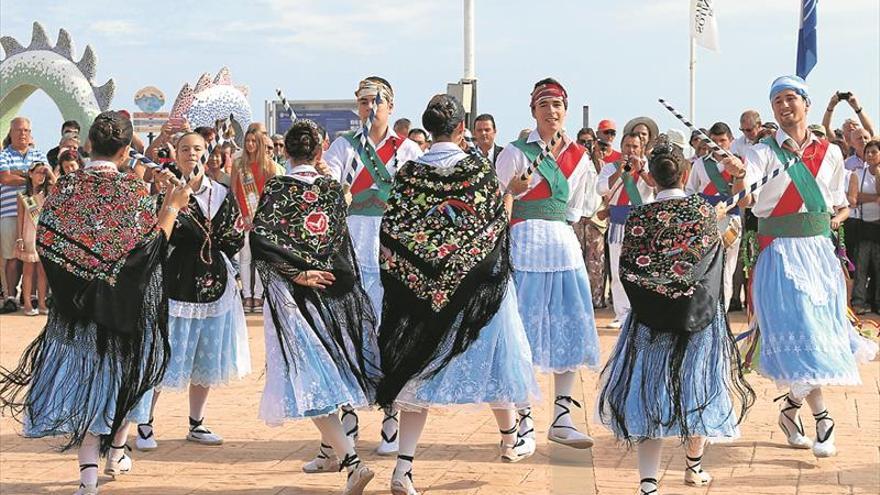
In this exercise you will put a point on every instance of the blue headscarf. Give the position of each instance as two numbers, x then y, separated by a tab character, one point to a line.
793	83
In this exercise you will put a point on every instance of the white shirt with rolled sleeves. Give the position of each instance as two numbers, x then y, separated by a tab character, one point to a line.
761	160
364	230
544	245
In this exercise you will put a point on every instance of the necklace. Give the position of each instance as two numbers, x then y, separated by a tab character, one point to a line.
207	229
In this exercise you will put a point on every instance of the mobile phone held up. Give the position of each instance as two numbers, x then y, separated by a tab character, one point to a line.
844	95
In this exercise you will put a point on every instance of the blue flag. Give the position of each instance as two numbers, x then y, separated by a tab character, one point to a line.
806	50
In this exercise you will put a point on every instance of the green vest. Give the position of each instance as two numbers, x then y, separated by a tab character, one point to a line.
371	201
552	208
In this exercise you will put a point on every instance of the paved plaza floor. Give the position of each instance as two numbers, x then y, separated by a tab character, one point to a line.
458	454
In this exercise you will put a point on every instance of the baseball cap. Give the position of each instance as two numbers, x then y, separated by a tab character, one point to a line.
607	125
817	128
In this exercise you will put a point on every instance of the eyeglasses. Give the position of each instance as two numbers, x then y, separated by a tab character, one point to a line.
279	145
610	132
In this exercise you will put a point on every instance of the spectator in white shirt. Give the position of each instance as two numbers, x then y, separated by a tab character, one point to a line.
750	126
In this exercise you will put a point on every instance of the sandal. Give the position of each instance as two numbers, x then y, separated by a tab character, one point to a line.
575	439
796	438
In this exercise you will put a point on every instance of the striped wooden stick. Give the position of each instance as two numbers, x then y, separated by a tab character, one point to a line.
761	183
134	155
702	135
557	136
472	146
286	104
363	143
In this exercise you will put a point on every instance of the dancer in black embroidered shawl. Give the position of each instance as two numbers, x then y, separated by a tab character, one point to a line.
316	310
105	344
451	332
675	365
206	325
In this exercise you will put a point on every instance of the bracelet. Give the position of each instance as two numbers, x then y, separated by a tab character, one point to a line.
172	209
859	110
829	110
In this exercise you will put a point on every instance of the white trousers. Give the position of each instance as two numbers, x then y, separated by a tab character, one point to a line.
621	302
249	275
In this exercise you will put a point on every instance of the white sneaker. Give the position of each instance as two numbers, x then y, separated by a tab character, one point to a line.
524	448
357	480
119	466
198	433
615	323
87	489
145	442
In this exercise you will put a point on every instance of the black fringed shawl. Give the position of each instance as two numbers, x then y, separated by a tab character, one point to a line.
298	227
102	253
444	258
671	264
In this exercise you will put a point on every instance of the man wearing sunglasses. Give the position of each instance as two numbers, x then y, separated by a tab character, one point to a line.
750	126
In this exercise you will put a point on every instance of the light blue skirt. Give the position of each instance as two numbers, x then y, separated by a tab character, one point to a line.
314	384
207	351
557	312
644	378
806	340
51	394
496	369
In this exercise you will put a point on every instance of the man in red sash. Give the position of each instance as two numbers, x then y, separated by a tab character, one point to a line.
805	338
549	177
709	179
366	161
624	184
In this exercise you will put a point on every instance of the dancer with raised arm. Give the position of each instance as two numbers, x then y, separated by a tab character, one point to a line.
207	327
675	370
805	339
104	347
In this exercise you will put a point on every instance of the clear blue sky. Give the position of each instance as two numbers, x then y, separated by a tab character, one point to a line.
616	56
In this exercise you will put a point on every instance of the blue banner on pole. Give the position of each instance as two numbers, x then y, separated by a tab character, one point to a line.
806	50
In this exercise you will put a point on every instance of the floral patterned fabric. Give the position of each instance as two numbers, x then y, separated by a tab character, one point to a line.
437	228
664	244
195	270
93	219
307	220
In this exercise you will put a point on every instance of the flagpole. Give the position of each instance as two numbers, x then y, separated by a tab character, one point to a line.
693	70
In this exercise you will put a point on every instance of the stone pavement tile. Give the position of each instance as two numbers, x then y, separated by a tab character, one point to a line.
458	454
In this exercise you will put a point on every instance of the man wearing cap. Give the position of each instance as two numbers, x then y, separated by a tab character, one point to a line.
606	132
553	288
369	172
714	183
805	339
647	130
623	184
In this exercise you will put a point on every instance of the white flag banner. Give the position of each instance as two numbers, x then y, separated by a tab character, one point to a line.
704	26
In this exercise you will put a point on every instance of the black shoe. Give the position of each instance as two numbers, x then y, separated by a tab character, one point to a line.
9	307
